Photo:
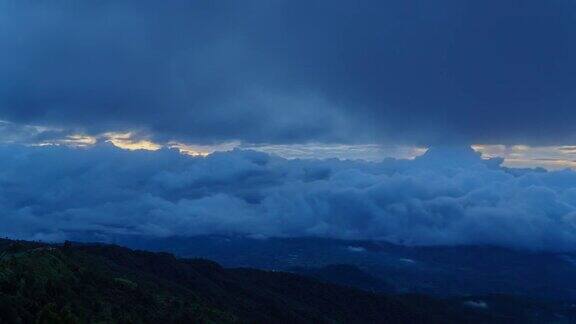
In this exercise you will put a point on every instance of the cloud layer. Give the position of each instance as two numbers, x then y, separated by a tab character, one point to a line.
447	196
284	71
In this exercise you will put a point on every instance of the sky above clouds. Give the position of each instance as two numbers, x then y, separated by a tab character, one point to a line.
413	72
347	119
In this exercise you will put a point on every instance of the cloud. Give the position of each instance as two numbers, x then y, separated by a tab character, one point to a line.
448	196
518	156
284	71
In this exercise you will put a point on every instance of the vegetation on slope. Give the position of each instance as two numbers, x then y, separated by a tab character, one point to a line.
109	284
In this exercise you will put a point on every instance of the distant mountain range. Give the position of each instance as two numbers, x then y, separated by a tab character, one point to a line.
94	283
441	271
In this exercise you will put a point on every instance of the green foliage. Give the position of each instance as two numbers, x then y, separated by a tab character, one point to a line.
125	283
53	285
68	284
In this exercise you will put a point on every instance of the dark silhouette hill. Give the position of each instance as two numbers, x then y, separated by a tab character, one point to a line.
434	270
77	283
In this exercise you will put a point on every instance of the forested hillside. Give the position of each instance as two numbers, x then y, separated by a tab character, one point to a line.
72	283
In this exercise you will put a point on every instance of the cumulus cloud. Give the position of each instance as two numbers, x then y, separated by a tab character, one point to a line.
446	196
293	71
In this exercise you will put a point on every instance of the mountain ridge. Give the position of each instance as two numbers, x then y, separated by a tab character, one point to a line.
91	283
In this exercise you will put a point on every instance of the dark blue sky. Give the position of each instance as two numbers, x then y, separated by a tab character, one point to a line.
301	79
399	71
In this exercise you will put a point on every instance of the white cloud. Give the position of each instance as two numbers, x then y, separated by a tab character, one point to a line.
444	197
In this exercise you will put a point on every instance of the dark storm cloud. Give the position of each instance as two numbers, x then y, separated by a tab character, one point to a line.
57	193
293	71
